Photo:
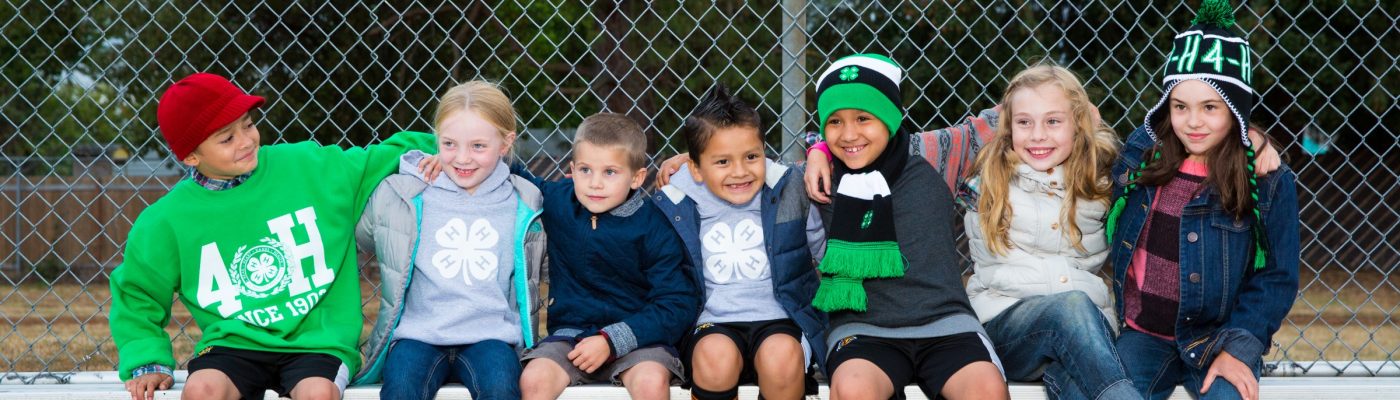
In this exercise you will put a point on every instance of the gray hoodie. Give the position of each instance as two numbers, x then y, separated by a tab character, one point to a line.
738	276
463	263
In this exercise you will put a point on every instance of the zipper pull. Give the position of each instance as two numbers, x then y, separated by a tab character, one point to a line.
595	222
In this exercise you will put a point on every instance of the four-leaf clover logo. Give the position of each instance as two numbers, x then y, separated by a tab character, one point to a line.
467	250
735	253
262	269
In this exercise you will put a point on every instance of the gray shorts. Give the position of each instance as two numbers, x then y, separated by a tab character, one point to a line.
558	351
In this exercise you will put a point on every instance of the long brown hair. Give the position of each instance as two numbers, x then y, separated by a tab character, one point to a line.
1227	164
1086	170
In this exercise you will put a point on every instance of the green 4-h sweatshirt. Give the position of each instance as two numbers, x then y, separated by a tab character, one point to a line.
267	265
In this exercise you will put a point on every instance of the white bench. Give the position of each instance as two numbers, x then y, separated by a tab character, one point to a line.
104	385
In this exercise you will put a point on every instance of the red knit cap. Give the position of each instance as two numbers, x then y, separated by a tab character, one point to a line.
196	107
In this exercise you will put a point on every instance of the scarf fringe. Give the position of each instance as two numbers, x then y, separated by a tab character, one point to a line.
837	294
863	260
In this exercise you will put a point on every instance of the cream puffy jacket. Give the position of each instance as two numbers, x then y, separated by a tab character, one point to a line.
1041	259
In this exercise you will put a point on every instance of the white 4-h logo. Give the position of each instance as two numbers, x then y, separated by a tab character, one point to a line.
735	253
277	265
261	271
468	251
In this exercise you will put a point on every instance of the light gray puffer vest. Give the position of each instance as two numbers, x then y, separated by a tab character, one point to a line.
390	226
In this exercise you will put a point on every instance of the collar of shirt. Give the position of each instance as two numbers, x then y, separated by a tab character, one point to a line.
218	184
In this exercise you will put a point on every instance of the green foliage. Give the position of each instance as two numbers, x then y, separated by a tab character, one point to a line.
50	270
353	73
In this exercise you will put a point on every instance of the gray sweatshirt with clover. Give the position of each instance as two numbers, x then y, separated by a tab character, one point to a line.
464	263
738	276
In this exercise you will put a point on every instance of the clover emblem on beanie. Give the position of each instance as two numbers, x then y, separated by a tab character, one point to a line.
850	73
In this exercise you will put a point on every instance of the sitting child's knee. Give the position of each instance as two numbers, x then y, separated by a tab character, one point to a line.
201	390
715	348
208	384
780	354
541	373
316	389
852	389
648	375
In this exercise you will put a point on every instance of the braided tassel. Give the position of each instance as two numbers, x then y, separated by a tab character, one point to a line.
1121	202
1118	206
1260	254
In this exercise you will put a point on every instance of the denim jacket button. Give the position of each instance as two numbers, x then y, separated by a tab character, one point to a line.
1195	277
1191	237
678	218
1238	223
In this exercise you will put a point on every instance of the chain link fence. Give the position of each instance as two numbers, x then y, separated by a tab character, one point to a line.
81	156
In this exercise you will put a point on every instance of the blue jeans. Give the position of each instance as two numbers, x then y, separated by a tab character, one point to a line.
1156	367
1066	336
489	369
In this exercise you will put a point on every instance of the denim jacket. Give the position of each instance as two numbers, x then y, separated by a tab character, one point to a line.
1226	305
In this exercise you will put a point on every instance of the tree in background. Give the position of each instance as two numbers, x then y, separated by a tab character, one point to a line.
351	73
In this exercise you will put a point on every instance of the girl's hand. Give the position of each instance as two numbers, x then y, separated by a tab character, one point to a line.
590	353
818	177
430	167
144	387
1233	370
1266	159
669	167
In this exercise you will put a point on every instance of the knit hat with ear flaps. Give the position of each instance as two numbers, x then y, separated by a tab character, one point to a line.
1209	52
867	82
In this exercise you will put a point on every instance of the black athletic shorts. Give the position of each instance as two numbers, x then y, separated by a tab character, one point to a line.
254	372
929	362
748	336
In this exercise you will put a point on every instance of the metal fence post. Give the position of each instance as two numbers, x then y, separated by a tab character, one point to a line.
793	113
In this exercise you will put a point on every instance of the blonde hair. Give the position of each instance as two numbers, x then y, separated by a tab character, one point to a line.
485	98
1086	171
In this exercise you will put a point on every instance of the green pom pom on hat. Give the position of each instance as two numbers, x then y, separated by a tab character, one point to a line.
1215	12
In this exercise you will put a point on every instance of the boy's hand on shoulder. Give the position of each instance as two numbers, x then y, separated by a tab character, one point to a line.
590	353
670	167
1266	159
430	167
817	177
144	387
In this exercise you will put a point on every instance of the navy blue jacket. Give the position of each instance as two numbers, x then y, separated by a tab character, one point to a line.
1225	303
628	278
785	208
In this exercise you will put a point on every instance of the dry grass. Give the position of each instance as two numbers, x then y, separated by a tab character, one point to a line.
64	328
1342	317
